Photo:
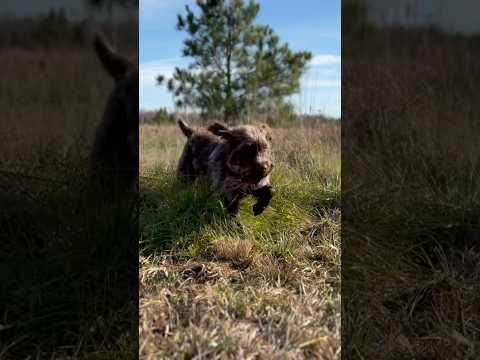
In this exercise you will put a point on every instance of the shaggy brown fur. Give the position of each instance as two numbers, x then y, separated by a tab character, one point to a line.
114	159
236	160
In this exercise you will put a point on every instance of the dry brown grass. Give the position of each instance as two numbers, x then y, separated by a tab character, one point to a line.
50	99
214	310
161	146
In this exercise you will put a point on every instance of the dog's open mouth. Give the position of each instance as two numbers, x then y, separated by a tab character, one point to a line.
258	181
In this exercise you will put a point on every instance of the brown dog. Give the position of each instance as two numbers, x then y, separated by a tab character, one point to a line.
114	159
236	160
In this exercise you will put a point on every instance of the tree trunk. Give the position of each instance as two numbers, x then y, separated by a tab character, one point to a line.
227	114
228	91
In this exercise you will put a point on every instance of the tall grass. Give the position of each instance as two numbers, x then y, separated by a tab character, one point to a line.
68	262
411	198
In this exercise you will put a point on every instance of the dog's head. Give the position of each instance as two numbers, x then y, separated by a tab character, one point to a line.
122	108
250	150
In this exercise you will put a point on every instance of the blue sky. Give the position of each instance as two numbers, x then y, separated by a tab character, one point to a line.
312	25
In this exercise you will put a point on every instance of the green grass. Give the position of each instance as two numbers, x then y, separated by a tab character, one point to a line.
249	271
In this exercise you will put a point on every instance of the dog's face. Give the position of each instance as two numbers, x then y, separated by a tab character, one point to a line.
250	155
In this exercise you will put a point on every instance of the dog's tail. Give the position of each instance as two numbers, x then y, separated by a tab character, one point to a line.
187	130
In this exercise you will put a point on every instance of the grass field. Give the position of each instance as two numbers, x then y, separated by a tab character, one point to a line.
64	274
410	190
257	287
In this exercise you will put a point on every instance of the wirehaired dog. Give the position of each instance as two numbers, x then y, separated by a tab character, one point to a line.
236	160
114	158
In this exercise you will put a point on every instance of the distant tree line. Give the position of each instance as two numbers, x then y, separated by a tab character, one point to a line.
161	116
55	29
50	30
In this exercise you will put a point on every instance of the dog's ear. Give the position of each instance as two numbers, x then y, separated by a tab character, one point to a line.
115	64
221	130
187	130
268	131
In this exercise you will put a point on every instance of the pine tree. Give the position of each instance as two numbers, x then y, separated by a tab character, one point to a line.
238	67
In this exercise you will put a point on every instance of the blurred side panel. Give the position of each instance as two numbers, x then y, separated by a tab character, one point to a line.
410	179
69	118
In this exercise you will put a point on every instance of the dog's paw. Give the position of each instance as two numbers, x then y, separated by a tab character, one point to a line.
258	209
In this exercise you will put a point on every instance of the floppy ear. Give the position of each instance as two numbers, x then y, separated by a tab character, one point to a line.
115	64
221	130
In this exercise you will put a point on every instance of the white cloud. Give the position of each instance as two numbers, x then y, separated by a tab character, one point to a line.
325	60
149	71
156	12
320	83
153	96
158	4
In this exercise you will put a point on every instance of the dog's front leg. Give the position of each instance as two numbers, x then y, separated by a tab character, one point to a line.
263	196
233	203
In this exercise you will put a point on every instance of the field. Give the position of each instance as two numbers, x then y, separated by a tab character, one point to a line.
65	274
256	287
410	190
